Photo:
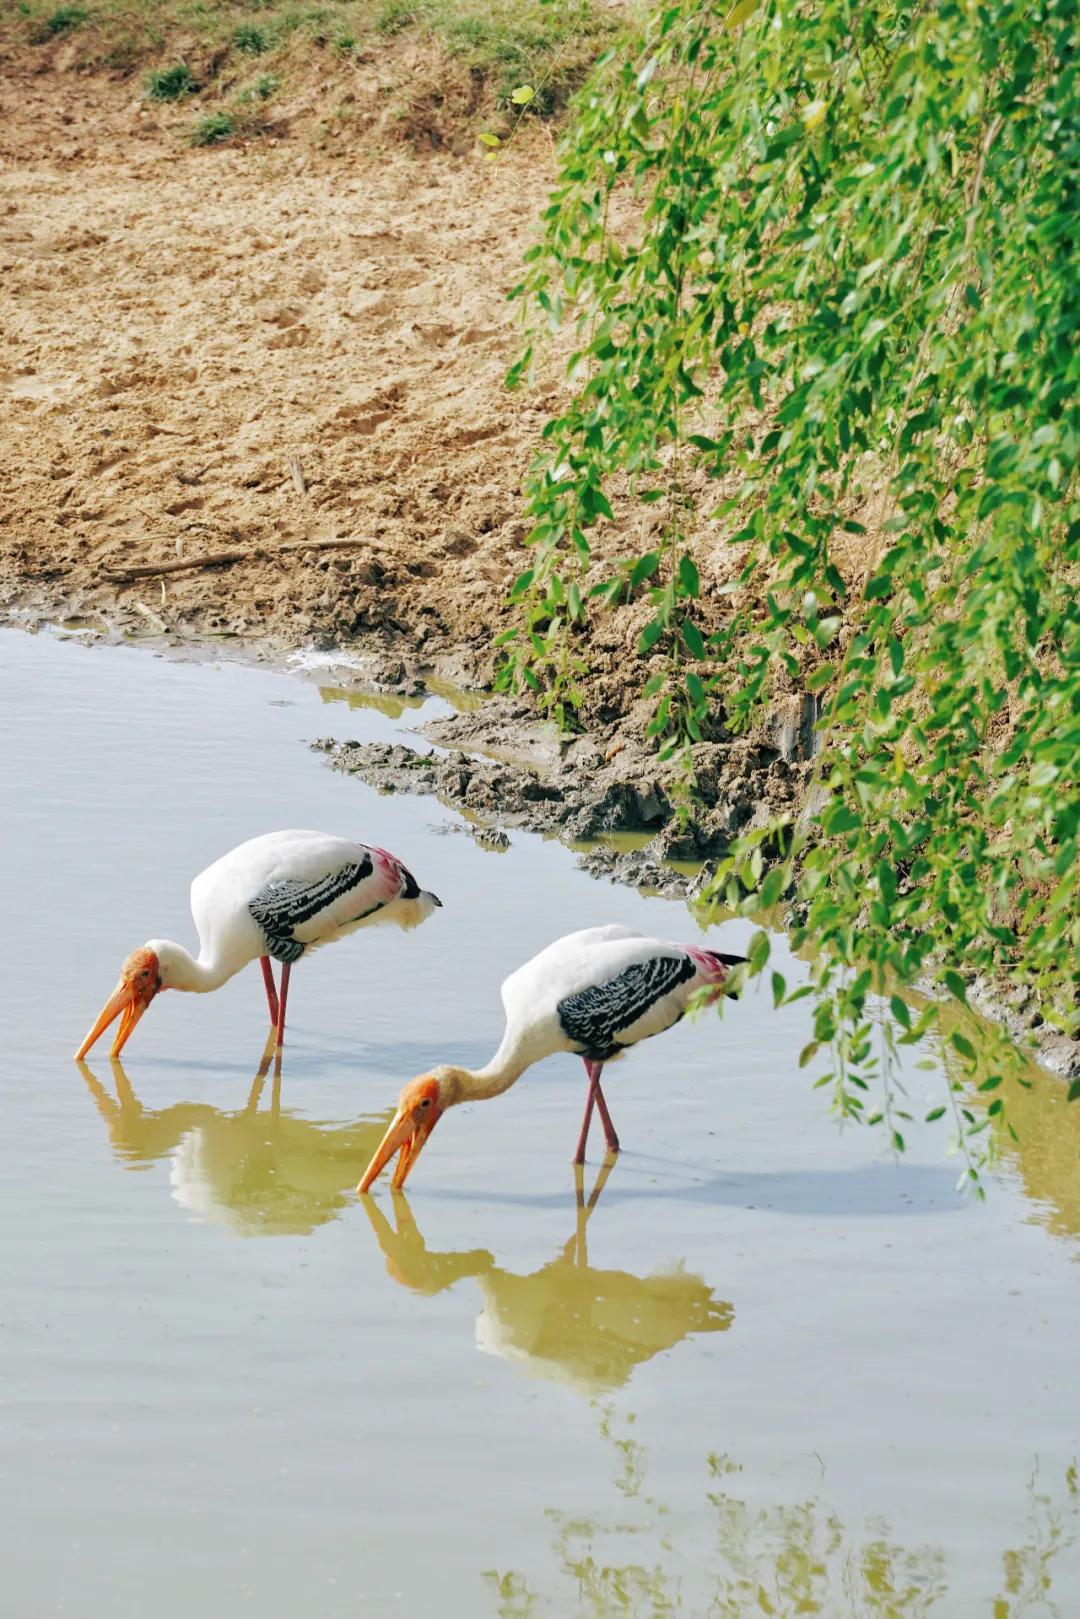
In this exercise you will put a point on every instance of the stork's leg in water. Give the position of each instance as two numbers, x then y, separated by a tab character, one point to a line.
590	1100
271	992
281	1016
610	1138
595	1097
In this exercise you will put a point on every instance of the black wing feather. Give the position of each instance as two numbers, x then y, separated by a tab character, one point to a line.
595	1016
286	903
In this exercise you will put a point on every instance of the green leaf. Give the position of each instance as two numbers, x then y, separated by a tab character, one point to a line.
934	1113
842	818
757	951
1074	1091
643	569
819	678
522	95
739	13
488	138
688	577
696	690
900	1011
692	636
650	635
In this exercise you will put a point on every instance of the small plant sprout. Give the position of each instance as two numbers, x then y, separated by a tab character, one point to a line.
171	83
61	21
250	39
214	128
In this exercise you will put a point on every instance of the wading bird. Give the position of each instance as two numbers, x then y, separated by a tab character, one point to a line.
279	896
593	993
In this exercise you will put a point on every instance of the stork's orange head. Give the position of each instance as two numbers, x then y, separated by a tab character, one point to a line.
140	980
421	1105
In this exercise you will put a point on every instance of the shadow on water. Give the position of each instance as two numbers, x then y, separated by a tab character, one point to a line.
785	1559
865	1191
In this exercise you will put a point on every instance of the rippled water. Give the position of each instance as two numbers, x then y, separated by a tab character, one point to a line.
769	1371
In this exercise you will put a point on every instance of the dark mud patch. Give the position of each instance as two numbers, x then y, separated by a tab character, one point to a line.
499	768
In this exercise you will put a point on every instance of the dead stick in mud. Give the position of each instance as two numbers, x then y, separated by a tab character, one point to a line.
220	559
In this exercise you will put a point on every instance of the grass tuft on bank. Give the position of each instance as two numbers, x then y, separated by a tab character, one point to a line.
502	44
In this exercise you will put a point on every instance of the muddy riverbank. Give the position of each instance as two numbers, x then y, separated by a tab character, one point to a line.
502	768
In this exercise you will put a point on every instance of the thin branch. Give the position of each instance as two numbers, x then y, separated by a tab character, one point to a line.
221	559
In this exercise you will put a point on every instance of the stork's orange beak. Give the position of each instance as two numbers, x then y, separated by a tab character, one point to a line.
409	1130
125	1003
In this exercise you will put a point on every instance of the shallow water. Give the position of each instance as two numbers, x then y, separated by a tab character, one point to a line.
774	1373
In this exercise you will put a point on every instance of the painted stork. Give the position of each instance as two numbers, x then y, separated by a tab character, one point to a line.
594	993
277	897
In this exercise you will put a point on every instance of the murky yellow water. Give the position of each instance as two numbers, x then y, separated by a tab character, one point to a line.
768	1371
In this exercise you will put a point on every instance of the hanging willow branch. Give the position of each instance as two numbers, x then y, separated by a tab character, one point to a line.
845	294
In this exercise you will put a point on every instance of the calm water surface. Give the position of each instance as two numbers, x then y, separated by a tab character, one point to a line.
773	1372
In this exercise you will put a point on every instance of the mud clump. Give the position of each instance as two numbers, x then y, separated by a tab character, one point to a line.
516	775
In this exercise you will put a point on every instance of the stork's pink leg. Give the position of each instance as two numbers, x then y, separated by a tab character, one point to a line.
595	1096
610	1137
285	970
579	1150
271	992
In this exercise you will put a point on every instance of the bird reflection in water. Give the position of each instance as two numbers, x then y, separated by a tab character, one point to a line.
261	1171
567	1321
258	1171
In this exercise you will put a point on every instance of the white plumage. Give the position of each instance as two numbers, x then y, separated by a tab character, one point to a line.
587	961
278	897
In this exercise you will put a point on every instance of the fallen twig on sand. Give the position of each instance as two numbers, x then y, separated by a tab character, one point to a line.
221	559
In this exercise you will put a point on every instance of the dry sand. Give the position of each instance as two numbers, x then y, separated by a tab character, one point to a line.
297	339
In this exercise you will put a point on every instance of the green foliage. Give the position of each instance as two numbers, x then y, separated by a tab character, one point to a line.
536	53
250	39
60	21
395	16
171	83
265	86
838	315
212	129
506	45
